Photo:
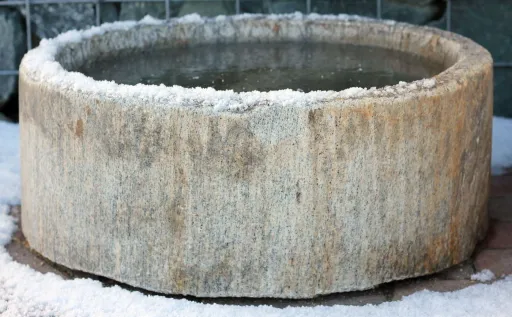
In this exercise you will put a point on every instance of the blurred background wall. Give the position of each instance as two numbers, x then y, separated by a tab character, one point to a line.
23	23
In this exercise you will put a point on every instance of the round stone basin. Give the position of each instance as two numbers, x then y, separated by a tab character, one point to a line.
248	189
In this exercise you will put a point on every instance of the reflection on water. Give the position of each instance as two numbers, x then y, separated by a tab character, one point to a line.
264	67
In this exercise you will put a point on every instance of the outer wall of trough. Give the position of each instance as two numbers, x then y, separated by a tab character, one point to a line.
271	202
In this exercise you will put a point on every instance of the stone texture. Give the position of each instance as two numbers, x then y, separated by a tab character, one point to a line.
487	22
498	261
18	249
138	10
463	271
286	202
212	8
49	20
500	235
359	7
253	6
12	47
411	287
413	11
285	6
439	23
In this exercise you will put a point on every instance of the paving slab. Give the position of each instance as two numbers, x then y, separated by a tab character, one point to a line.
408	288
499	235
498	261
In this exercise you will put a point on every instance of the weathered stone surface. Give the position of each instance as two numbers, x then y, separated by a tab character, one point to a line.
214	8
19	251
278	201
247	6
12	47
138	10
487	22
440	23
413	11
285	6
49	20
359	7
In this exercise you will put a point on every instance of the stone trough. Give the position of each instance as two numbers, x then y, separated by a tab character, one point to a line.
255	194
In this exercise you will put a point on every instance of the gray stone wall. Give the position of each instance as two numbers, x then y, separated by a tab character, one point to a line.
488	22
12	37
485	21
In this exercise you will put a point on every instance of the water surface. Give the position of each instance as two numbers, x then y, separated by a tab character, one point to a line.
264	66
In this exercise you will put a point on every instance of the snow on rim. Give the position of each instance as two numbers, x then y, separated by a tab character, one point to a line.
40	65
25	292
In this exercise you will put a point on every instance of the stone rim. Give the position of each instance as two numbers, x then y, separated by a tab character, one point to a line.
43	64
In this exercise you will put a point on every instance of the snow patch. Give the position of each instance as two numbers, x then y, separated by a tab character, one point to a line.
483	276
7	225
191	18
9	164
220	18
150	20
501	145
429	83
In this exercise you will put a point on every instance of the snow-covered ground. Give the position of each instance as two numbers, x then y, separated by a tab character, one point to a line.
501	145
25	292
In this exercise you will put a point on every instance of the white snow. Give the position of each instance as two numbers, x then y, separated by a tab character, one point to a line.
429	83
9	164
483	276
151	20
25	292
40	65
501	144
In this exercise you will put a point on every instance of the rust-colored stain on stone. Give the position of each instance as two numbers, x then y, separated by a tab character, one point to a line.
79	128
276	28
